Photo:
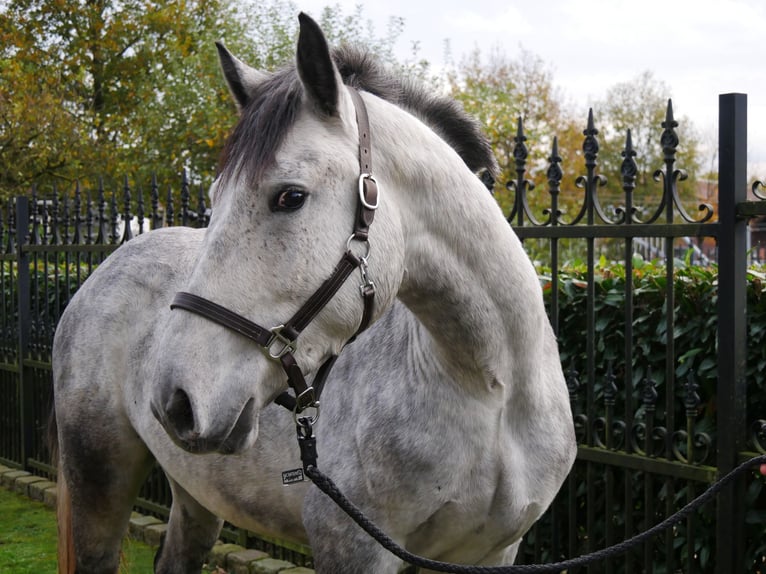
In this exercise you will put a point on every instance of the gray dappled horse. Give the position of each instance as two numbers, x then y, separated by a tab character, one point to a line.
447	420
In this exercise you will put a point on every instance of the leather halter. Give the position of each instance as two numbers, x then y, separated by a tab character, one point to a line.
280	342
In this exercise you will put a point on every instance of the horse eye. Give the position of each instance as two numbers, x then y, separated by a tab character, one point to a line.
289	199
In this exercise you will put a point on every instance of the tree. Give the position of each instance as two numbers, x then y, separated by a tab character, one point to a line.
640	105
101	88
353	28
34	126
122	77
501	92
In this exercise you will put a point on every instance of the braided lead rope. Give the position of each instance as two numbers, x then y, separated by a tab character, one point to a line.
326	485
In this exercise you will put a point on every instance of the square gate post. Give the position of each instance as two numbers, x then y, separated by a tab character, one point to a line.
732	327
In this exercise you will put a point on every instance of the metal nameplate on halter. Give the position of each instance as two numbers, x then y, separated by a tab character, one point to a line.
362	196
288	345
293	476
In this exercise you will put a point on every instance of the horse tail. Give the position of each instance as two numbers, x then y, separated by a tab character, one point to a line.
66	557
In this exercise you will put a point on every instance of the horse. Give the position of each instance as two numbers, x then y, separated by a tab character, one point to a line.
446	420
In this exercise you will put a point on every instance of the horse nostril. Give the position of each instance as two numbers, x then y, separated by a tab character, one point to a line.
179	412
186	426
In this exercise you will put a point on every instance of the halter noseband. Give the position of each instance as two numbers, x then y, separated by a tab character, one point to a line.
280	342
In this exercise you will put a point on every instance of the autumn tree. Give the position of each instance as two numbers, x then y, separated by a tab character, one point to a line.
97	88
501	91
100	88
640	105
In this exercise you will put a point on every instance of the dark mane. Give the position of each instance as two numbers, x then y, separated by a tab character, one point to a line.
272	112
441	113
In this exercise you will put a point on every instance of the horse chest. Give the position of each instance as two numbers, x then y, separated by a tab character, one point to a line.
444	475
475	509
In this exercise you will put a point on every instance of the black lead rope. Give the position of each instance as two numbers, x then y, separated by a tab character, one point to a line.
326	485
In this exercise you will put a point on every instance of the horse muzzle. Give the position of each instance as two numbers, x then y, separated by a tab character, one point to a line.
198	432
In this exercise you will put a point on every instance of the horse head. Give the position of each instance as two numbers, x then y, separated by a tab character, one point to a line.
285	210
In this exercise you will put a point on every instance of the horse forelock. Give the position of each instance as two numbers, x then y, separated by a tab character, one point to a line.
266	119
263	123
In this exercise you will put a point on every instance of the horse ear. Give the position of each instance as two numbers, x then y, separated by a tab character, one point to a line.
315	67
242	79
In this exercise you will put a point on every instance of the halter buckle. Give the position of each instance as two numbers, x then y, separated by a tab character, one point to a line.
363	196
288	345
306	400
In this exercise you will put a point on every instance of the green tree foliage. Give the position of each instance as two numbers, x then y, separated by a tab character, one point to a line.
695	291
100	88
354	28
114	82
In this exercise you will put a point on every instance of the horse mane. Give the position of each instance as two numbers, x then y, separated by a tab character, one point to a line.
444	115
272	111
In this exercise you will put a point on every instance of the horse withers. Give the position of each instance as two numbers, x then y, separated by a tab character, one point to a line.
347	199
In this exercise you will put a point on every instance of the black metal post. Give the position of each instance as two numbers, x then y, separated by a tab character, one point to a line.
26	404
732	318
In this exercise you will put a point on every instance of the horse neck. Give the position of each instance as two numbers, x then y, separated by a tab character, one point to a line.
467	279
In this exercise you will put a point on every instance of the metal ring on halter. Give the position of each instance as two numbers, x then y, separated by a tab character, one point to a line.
304	421
365	241
362	198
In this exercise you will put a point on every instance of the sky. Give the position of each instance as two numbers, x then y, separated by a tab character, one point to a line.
698	48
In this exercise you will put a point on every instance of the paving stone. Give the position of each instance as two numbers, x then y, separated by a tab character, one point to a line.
154	534
50	496
37	489
239	562
21	485
217	556
8	478
270	566
137	525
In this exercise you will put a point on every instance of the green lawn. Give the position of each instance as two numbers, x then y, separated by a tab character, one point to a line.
28	539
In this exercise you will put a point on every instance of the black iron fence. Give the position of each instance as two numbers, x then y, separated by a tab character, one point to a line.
644	448
50	246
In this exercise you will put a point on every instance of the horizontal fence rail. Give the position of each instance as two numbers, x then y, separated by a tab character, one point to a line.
663	397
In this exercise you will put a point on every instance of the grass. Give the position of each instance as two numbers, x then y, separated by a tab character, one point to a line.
28	539
27	535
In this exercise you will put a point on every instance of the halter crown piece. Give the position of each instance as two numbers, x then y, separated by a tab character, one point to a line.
280	341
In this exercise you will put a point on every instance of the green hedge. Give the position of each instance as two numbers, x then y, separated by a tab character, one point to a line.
694	335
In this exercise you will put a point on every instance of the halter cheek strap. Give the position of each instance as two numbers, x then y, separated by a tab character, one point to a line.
280	341
368	186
